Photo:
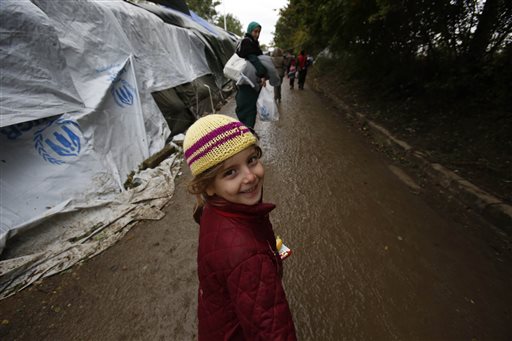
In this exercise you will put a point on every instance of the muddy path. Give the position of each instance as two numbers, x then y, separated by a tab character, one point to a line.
376	256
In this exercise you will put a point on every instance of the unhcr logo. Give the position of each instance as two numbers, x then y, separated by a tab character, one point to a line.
123	93
59	141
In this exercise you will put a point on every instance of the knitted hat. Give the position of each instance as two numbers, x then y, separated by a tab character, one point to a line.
252	26
213	139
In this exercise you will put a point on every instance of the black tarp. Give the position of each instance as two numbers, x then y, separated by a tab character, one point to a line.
174	4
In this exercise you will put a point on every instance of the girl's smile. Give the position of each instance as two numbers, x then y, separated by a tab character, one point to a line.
241	178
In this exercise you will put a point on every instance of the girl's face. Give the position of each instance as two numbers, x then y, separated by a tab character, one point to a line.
256	33
240	180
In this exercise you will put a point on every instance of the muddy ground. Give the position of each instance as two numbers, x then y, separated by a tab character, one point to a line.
377	255
471	138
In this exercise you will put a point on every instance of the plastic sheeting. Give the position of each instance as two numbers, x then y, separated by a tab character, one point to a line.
77	114
66	239
73	159
219	45
32	87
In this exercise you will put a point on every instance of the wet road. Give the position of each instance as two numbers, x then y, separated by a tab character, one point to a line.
374	259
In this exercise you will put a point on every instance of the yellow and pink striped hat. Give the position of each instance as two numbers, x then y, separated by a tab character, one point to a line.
213	139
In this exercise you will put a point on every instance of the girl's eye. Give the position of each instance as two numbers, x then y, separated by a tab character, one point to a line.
253	159
229	172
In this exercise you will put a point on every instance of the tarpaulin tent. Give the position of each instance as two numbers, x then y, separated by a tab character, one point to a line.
178	5
78	114
196	96
219	45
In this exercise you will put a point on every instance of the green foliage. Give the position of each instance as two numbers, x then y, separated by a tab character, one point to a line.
232	23
204	8
411	46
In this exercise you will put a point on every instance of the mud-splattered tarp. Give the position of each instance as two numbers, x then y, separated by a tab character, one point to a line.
68	238
76	110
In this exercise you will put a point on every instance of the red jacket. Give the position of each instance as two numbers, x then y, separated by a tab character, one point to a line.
241	296
302	61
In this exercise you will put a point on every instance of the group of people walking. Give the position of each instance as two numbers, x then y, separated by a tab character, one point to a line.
293	67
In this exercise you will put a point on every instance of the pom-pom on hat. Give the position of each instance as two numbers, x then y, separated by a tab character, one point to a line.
213	139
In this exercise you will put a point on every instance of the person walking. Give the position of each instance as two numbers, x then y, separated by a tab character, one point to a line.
247	96
280	65
286	60
241	296
302	68
292	71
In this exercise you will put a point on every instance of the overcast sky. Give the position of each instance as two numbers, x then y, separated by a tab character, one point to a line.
265	12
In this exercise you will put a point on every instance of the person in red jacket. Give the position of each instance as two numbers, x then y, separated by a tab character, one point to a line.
241	296
302	68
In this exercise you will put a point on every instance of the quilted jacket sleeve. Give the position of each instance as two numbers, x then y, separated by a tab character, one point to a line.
260	302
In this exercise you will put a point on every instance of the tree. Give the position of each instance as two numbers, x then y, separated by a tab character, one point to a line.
459	47
485	30
204	8
392	32
232	23
290	32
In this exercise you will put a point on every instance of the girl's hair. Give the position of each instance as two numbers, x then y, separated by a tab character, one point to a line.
199	183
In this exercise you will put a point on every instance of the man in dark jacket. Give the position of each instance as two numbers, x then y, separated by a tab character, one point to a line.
247	96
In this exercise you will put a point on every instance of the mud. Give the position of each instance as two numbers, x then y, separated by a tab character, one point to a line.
375	255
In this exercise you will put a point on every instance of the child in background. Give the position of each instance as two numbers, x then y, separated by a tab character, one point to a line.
241	296
292	70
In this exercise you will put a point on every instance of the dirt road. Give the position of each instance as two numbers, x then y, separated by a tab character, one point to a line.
376	257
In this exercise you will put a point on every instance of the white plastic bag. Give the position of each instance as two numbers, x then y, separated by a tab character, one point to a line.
266	106
234	67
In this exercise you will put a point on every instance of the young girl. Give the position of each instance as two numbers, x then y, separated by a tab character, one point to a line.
241	296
